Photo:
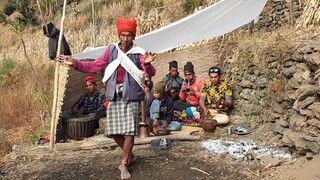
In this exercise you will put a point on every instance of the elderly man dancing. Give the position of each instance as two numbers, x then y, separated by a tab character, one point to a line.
125	65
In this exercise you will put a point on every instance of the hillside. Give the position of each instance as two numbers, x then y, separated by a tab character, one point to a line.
274	73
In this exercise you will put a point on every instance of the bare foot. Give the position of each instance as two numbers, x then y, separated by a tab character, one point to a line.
165	125
124	171
156	129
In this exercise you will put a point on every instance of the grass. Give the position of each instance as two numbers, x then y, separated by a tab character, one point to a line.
6	66
42	131
7	36
21	102
5	145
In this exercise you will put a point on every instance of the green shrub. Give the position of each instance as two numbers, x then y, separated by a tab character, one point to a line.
6	67
2	18
27	12
41	131
17	26
9	8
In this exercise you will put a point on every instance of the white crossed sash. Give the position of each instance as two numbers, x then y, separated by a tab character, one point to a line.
137	74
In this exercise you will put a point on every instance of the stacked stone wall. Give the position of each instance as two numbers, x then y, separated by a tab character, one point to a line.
278	13
281	95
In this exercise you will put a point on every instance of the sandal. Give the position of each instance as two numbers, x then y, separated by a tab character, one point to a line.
159	131
163	132
161	143
242	129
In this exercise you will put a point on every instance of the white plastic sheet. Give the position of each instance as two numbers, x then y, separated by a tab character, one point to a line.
213	21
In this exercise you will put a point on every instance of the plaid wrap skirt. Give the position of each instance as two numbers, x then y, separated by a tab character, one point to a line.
122	118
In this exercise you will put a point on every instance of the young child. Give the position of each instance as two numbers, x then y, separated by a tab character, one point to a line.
159	110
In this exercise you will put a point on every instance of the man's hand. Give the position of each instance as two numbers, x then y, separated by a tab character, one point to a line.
220	104
188	90
149	57
147	92
205	112
217	103
155	123
67	60
173	93
192	90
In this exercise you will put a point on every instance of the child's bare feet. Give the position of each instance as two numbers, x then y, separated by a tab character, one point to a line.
124	171
165	124
156	129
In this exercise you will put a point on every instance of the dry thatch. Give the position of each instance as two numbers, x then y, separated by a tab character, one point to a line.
71	86
310	15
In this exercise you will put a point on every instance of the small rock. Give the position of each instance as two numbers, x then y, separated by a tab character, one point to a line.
16	148
309	155
271	161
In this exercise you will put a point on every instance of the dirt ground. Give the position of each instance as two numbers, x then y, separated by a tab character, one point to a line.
184	160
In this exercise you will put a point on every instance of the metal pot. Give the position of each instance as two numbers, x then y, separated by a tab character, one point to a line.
143	130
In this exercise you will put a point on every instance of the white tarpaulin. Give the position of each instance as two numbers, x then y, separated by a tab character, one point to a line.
213	21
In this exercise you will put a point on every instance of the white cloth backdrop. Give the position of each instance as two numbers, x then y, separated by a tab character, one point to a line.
213	21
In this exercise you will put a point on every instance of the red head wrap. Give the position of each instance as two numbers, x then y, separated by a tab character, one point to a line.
90	79
126	25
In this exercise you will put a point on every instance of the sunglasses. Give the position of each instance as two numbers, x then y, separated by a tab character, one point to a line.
214	70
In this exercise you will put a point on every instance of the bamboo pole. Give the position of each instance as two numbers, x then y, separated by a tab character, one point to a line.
55	113
93	26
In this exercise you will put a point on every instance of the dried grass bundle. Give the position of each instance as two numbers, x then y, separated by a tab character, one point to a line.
310	15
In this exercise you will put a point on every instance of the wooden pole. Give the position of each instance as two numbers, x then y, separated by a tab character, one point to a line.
143	127
55	113
42	17
251	25
291	13
143	112
93	26
36	77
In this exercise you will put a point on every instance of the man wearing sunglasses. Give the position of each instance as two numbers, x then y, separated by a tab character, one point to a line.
216	97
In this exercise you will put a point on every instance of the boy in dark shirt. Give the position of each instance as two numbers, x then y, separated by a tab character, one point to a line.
159	110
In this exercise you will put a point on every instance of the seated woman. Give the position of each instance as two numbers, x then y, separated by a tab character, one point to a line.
159	110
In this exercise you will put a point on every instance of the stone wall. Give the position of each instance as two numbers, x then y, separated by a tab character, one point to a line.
280	96
277	13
